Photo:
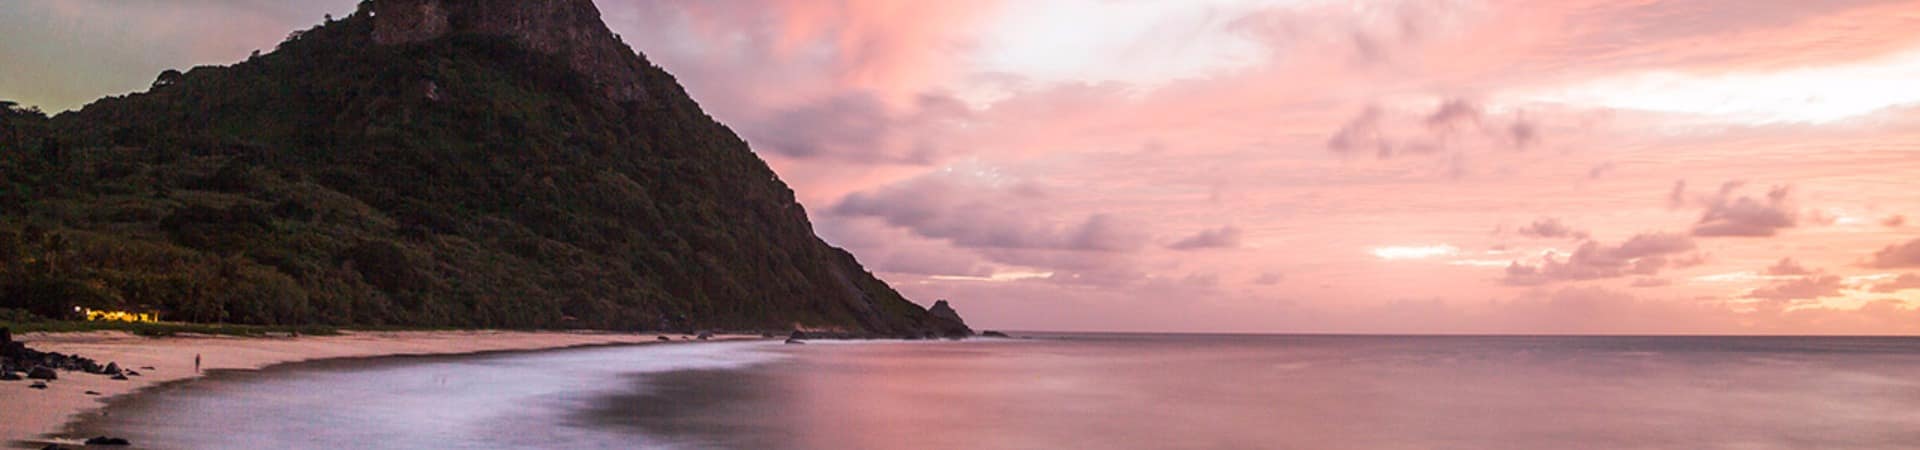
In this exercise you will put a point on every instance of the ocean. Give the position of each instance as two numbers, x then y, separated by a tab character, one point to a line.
1073	391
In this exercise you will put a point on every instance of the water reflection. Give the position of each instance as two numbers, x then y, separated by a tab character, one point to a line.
1088	391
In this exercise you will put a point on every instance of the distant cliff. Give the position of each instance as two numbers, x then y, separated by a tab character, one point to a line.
571	29
493	163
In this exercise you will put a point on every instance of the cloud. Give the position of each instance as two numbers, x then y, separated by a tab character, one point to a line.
1201	280
1104	232
980	216
847	81
1897	255
1787	266
1362	133
1523	133
1223	237
1380	35
1551	228
1644	254
1677	196
1746	216
1651	282
1802	288
859	126
1454	124
1454	113
1903	282
1600	170
1404	252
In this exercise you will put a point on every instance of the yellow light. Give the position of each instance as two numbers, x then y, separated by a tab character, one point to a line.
117	316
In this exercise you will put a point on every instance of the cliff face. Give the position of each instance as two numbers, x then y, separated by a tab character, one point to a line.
496	163
571	29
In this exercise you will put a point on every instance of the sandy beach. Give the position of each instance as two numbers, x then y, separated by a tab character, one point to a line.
29	415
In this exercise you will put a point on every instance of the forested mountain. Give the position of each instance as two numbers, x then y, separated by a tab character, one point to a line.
464	163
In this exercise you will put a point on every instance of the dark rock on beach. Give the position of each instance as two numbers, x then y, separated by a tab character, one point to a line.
15	355
795	341
103	440
705	335
119	376
38	385
664	338
9	375
994	334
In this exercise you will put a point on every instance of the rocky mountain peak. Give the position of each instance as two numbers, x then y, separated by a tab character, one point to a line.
948	320
570	29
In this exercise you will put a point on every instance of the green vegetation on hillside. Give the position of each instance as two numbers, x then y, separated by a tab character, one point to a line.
460	182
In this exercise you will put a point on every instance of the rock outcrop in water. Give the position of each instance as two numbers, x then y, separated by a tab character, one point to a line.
947	321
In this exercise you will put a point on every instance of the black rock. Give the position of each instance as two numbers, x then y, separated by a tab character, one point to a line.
664	338
795	341
119	376
42	373
53	447
6	336
38	385
92	392
705	335
9	376
947	322
147	368
991	333
131	373
112	369
797	334
103	440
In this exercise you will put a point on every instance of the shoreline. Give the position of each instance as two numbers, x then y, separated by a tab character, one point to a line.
37	417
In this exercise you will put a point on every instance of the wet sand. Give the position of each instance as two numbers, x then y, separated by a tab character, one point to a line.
31	418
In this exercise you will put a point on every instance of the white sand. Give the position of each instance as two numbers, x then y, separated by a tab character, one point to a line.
29	415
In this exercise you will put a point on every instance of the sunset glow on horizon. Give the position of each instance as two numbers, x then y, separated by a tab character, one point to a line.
1453	166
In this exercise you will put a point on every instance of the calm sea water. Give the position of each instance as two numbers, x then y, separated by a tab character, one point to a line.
1076	391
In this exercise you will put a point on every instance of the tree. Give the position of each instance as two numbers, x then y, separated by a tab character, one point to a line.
50	150
168	78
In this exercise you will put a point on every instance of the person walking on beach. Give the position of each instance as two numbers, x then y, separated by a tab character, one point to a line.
196	363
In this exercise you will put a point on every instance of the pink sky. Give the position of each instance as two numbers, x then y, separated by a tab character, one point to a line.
1271	166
